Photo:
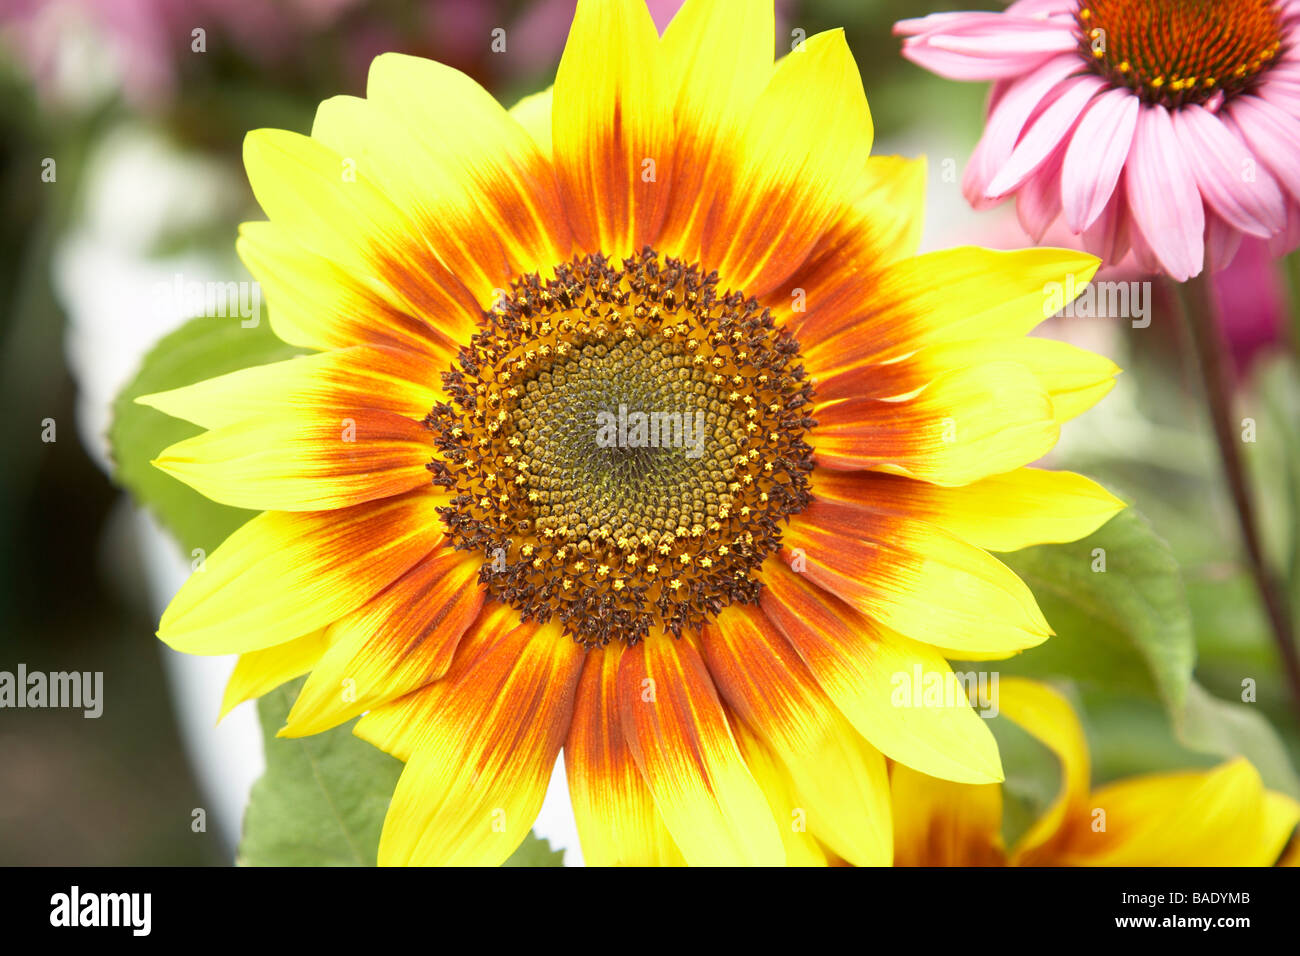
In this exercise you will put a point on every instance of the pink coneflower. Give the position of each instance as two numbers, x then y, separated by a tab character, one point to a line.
1168	127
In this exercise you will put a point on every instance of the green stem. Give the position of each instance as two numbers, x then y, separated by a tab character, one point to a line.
1291	266
1194	299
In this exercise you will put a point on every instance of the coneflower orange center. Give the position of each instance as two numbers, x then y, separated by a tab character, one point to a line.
623	445
1180	51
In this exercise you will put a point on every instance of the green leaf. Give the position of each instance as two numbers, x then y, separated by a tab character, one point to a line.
200	349
1125	628
535	851
1032	777
1229	729
322	799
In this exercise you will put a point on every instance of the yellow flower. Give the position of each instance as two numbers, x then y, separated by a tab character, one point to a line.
1218	817
470	536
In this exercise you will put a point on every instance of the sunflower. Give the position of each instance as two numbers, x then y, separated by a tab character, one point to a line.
1223	816
635	428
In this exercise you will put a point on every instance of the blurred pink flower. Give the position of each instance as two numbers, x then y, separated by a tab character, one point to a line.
1161	126
1250	302
148	37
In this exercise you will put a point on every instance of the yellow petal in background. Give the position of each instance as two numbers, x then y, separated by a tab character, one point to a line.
1219	817
942	823
1048	716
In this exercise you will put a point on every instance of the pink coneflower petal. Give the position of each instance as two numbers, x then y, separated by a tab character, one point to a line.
1096	155
983	46
1108	237
1272	136
1288	240
1006	121
1038	203
1162	193
1246	197
1221	241
1173	138
1048	132
1143	255
1284	97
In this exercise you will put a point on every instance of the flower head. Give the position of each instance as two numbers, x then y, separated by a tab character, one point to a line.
1168	127
634	427
1219	817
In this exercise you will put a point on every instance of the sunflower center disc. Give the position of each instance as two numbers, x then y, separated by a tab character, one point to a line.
622	446
1180	51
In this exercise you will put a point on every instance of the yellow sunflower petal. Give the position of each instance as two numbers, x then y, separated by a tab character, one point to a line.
492	730
801	848
791	158
400	727
612	131
1007	512
258	672
1072	378
1218	817
332	209
1291	855
717	57
382	379
1279	817
915	578
618	824
864	669
441	204
296	460
882	225
533	113
283	574
679	737
951	295
397	642
838	777
473	164
316	303
1075	378
965	425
